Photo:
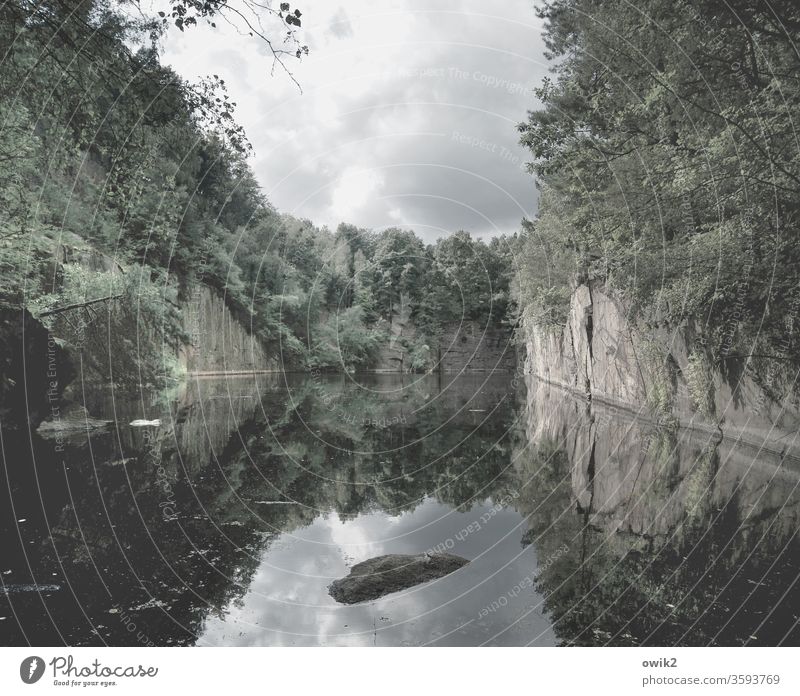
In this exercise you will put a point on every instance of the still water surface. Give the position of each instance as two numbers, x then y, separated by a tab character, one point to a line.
225	524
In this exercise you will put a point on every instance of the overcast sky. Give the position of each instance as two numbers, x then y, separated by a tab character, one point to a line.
407	116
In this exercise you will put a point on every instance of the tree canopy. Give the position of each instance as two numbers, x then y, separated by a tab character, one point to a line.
667	152
105	150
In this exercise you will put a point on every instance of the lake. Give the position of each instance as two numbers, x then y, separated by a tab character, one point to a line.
225	523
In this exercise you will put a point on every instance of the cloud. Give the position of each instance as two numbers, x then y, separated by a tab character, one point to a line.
353	189
340	25
407	115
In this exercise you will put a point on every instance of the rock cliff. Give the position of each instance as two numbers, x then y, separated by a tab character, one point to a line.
218	341
466	346
605	354
472	347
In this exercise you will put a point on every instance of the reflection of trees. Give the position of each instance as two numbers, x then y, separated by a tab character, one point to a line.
169	528
682	542
330	463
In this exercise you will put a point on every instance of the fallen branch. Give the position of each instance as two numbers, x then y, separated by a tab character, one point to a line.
78	305
784	358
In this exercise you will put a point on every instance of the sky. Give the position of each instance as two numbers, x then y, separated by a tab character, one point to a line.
407	115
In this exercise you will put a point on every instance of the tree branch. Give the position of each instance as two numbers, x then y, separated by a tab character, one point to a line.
78	305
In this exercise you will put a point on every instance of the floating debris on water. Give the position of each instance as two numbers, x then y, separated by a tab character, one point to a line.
275	502
152	603
122	462
8	589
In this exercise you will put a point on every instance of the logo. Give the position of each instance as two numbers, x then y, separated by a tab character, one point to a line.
31	669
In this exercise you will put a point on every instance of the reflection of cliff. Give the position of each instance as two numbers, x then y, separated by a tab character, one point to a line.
162	527
673	538
133	529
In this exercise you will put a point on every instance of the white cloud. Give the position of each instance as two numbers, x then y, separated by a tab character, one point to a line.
387	85
352	191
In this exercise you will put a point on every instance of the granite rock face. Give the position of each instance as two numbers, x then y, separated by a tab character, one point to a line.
606	355
472	347
394	356
218	341
386	574
595	352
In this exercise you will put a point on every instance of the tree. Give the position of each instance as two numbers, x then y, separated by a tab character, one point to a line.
394	270
665	142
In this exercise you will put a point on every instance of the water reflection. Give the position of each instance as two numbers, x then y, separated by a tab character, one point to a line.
674	537
225	524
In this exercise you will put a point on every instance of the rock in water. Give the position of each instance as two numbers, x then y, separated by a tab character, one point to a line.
386	574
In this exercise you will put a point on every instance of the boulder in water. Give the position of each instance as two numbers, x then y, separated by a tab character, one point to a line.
386	574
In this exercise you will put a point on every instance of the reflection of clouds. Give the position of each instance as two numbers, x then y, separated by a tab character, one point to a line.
353	537
288	602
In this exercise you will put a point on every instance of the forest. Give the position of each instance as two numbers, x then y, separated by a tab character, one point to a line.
104	149
626	473
666	161
666	152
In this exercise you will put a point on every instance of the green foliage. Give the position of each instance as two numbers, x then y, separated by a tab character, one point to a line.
346	342
660	375
699	383
103	145
549	308
669	168
543	271
104	150
420	355
124	322
456	279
